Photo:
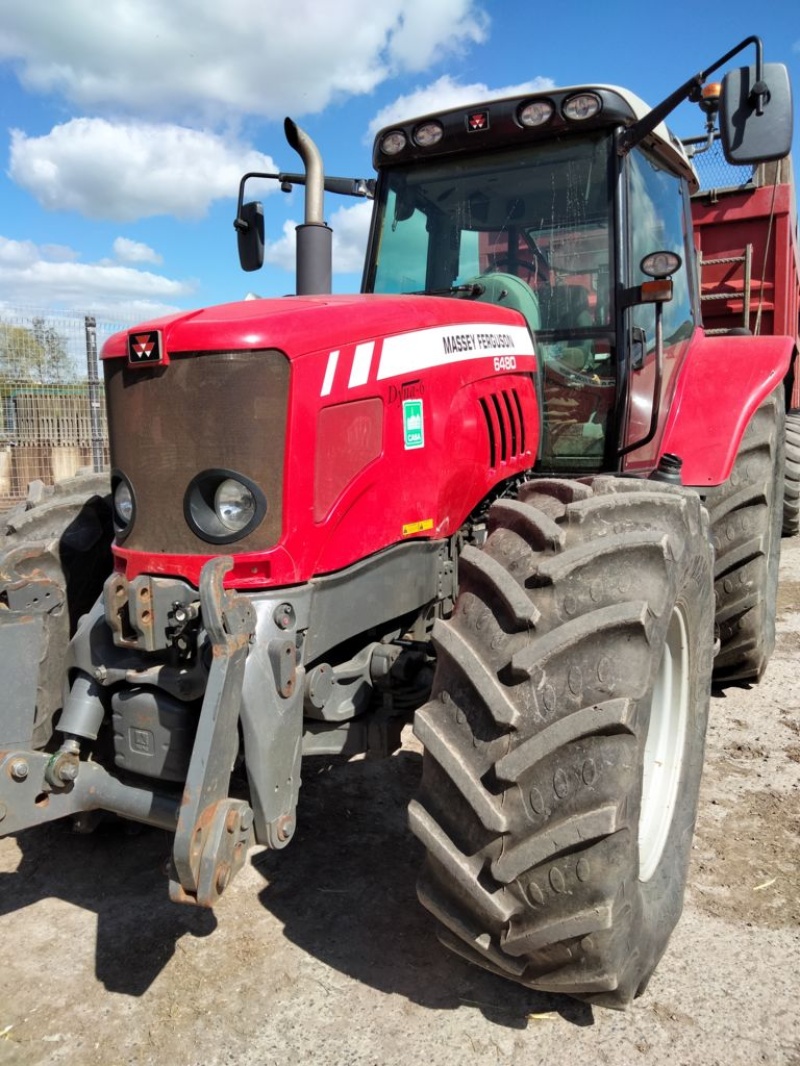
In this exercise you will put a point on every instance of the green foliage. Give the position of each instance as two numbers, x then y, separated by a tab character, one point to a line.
34	355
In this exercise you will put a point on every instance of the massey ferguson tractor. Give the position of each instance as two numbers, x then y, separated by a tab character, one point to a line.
513	487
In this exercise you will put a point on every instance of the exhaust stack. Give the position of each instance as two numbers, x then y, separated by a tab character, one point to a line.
314	244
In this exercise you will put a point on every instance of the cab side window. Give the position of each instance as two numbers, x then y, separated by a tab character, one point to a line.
658	223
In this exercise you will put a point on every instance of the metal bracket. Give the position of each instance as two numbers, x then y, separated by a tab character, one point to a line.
28	797
219	848
26	597
283	656
213	831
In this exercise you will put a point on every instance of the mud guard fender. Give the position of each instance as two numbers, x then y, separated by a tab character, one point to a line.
721	384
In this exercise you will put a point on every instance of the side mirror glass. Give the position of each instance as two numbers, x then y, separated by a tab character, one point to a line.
747	136
638	347
250	235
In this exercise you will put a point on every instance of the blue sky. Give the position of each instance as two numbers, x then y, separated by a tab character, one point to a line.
127	124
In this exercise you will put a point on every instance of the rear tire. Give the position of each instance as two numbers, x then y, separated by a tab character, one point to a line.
564	736
791	481
65	539
746	514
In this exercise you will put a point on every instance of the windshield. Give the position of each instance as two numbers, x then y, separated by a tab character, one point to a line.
543	214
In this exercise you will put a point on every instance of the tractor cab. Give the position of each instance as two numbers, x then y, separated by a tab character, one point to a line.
528	203
523	220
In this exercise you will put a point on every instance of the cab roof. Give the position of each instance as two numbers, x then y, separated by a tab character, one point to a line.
496	123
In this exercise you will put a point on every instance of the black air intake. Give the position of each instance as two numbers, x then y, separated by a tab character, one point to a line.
505	426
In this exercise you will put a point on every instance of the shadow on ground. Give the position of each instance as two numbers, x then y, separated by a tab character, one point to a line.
118	874
344	891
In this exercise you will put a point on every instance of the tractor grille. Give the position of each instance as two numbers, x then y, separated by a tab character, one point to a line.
204	411
505	425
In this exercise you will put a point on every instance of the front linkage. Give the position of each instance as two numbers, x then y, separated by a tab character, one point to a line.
213	831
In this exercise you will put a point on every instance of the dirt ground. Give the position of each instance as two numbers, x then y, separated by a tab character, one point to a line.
321	953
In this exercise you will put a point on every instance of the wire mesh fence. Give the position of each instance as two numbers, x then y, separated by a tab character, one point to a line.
52	409
712	168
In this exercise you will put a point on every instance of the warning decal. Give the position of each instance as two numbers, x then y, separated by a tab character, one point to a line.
417	527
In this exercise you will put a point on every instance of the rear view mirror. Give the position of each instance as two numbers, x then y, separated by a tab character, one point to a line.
747	136
249	226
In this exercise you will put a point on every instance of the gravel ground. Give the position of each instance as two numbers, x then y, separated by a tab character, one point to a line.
321	953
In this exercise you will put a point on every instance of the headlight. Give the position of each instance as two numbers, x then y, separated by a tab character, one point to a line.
393	142
660	264
536	113
235	505
428	134
123	502
222	506
583	106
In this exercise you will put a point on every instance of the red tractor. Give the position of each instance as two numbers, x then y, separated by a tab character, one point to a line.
486	490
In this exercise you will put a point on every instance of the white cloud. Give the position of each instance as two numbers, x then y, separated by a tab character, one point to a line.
33	276
280	253
16	254
59	253
130	170
350	227
350	231
202	57
447	92
128	251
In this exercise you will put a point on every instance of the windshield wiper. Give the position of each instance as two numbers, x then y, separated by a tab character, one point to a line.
473	289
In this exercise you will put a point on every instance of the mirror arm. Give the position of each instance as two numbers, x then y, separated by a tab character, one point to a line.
360	187
690	90
239	223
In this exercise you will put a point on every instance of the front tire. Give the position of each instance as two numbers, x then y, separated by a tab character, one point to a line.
564	736
64	542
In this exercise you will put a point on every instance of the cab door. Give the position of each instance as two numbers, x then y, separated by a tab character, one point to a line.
657	219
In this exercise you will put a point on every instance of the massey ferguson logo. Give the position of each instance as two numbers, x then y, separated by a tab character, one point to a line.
145	347
477	120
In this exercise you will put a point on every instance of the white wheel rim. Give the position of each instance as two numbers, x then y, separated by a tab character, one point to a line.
664	747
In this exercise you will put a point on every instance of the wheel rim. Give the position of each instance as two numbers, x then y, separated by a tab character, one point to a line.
664	746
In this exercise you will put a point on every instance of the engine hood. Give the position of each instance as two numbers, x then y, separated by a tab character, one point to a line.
299	324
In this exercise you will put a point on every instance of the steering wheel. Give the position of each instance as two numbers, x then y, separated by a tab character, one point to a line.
561	371
536	268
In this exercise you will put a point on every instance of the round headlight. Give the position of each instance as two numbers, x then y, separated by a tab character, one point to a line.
222	506
536	113
234	504
393	142
582	106
428	134
123	502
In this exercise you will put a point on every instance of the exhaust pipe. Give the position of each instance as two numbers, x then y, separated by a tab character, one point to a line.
314	245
